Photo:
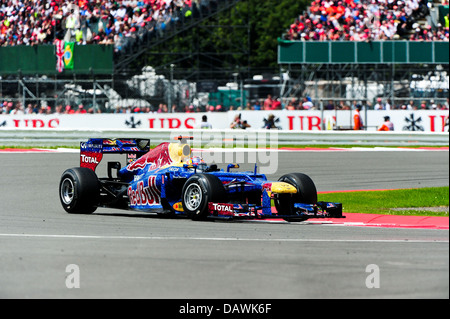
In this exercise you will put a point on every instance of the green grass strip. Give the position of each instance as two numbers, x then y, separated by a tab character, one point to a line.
431	201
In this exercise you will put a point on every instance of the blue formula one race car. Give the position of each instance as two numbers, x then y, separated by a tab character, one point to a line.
169	180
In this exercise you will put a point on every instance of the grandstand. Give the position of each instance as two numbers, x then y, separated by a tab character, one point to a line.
132	28
111	41
362	51
330	46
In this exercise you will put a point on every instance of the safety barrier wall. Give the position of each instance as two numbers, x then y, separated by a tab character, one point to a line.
225	138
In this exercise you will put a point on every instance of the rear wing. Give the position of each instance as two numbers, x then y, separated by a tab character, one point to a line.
91	152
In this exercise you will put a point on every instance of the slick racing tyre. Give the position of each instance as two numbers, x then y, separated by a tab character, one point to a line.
198	191
306	194
79	190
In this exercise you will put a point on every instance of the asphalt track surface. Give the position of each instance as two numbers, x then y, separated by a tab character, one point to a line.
124	255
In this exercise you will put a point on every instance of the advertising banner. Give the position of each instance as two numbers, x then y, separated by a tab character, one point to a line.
414	121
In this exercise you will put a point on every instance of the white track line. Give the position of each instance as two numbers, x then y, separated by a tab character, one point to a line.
223	238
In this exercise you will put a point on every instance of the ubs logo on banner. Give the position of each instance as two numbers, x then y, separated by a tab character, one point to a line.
413	124
131	123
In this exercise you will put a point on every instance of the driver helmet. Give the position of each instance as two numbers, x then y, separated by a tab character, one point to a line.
197	160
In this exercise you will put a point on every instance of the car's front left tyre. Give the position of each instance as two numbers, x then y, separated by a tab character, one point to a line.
79	190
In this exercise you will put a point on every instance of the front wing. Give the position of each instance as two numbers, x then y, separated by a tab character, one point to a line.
251	211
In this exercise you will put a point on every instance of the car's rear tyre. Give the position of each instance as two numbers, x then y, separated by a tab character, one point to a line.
198	191
79	190
306	193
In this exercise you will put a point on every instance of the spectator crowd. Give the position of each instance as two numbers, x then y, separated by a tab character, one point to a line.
125	23
367	20
122	23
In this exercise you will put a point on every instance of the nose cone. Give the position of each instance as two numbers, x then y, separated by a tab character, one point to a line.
283	188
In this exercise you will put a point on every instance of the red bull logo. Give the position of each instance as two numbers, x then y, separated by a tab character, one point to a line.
145	195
